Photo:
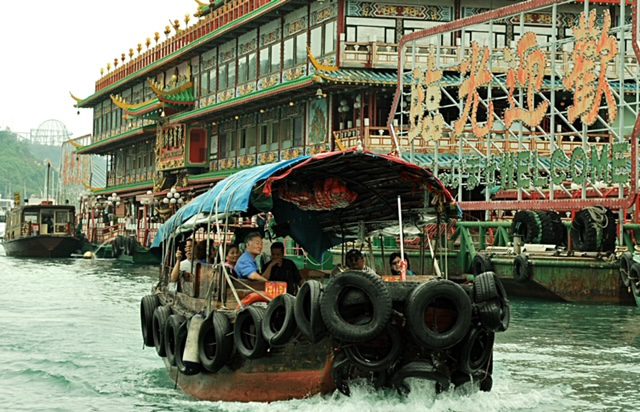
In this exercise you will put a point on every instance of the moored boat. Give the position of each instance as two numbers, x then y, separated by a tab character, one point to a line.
234	340
43	230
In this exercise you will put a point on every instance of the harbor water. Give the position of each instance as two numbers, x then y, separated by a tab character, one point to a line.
70	341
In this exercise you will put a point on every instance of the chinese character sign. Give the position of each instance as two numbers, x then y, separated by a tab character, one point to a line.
529	75
424	118
593	50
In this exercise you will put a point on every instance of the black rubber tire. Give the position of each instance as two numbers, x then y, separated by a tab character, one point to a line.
421	370
279	323
170	334
609	235
180	342
148	305
438	292
522	271
527	224
247	332
481	263
475	351
391	351
307	311
484	287
489	314
585	233
215	342
160	316
547	235
626	262
350	323
634	280
559	230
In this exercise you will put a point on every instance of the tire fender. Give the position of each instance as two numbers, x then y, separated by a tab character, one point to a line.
279	323
215	342
422	302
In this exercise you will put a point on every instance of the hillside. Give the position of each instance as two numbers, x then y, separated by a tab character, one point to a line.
19	168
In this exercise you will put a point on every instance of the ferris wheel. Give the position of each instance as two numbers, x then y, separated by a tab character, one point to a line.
51	132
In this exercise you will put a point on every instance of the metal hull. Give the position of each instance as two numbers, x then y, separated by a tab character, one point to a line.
289	374
42	246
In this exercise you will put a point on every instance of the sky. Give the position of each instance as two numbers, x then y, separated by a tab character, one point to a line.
50	48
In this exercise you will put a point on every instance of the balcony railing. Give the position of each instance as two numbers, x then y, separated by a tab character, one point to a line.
220	17
385	56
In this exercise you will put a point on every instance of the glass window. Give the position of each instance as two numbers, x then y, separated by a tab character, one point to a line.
264	130
252	69
301	48
265	64
298	131
275	57
351	33
231	70
222	77
316	41
204	84
212	80
223	144
288	53
330	37
242	70
274	133
243	138
251	138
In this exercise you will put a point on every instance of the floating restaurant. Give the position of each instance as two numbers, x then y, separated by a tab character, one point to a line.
527	111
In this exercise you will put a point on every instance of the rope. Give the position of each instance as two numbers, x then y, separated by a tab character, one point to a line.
598	215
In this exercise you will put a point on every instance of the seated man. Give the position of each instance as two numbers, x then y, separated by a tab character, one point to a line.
246	267
284	270
355	261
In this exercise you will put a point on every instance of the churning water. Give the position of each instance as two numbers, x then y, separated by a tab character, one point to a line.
70	341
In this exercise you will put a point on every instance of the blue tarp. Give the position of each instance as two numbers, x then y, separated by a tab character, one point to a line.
231	194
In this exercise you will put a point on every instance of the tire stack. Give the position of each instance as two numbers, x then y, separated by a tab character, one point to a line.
544	227
594	230
435	330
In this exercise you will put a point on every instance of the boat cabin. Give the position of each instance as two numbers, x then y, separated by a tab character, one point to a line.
42	219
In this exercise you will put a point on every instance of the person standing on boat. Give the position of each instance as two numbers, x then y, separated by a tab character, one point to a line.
183	265
284	270
247	267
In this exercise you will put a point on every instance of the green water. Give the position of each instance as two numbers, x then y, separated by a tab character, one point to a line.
70	341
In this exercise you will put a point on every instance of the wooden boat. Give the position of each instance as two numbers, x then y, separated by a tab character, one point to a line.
226	339
43	230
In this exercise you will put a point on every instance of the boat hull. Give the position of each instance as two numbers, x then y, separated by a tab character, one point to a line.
42	246
266	385
297	370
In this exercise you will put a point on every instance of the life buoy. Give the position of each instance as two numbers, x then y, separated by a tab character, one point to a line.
421	370
484	287
170	334
160	316
247	332
475	351
356	322
215	342
626	262
307	311
378	354
481	263
148	305
433	301
279	323
181	335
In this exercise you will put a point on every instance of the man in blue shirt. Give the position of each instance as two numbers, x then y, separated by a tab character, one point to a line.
246	267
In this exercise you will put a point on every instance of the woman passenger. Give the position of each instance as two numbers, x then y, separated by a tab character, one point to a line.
233	253
394	264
